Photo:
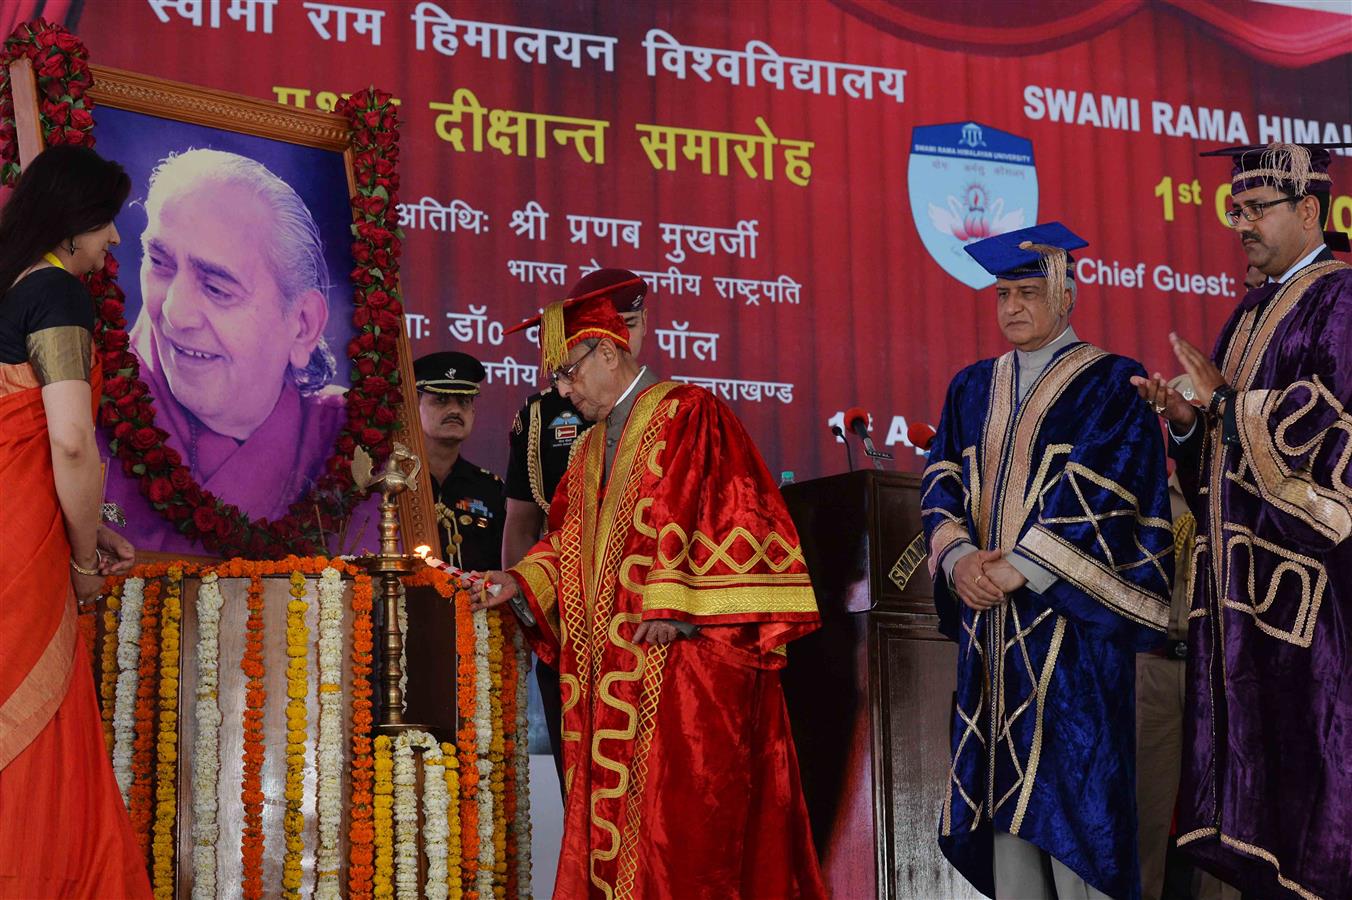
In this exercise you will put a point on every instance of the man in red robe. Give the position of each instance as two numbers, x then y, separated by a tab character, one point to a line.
665	592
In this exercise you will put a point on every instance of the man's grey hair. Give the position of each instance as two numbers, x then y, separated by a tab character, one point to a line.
295	252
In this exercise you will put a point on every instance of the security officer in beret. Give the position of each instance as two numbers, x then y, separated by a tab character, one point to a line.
469	500
542	438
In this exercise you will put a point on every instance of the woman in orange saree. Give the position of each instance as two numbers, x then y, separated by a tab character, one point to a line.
64	831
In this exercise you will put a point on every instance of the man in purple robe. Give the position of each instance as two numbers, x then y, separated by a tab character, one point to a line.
230	339
1266	799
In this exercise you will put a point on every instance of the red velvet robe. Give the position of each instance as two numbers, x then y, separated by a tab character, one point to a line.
681	775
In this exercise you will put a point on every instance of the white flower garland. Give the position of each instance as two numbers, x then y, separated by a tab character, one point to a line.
436	821
405	820
483	737
206	755
328	752
522	763
402	606
124	703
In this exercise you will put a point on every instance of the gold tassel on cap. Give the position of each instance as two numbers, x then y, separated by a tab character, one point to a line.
1292	161
1053	263
553	337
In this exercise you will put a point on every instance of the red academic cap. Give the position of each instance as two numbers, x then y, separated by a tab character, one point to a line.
564	323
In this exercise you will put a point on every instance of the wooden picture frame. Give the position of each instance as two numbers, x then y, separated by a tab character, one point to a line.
234	114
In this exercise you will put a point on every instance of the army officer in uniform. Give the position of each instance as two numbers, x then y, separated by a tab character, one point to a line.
469	500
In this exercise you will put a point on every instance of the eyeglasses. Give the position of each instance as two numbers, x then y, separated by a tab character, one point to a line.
567	373
1252	212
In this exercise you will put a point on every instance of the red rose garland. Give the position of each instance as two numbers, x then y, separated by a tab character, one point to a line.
61	63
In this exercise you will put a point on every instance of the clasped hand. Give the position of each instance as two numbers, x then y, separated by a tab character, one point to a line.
985	579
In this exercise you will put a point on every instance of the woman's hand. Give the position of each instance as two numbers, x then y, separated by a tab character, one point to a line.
117	553
87	588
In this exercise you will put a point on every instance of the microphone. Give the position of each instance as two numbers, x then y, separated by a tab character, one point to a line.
856	418
920	435
849	451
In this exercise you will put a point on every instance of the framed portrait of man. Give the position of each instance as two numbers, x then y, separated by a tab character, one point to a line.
236	263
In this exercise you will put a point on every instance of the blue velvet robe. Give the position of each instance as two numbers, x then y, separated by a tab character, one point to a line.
1074	479
1266	798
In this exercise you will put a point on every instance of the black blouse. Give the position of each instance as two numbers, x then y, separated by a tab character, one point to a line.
47	319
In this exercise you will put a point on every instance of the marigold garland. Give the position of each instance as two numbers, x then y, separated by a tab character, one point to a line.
361	811
384	817
108	661
497	837
143	746
251	793
166	769
466	745
297	689
454	871
521	834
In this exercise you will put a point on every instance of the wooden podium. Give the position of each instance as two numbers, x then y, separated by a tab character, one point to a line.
870	692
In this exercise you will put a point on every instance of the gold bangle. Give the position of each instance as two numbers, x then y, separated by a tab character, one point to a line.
98	558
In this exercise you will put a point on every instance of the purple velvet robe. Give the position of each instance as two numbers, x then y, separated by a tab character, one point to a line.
263	475
1266	800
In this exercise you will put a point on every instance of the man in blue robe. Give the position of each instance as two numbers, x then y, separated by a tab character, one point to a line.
1046	509
1266	798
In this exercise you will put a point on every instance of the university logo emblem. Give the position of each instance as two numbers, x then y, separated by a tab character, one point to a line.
967	182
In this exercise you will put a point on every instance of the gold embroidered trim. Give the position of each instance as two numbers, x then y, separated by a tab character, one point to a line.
721	551
541	573
654	665
1310	574
1043	396
16	377
35	700
1096	578
60	354
729	600
606	854
1252	850
1327	511
1043	685
994	438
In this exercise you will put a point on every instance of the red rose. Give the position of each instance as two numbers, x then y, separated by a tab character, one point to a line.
116	340
373	387
224	528
361	316
109	308
122	430
367	342
386	365
57	113
67	42
177	512
386	139
384	167
377	299
381	258
76	138
144	438
361	276
384	343
361	253
373	205
370	436
53	90
385	415
116	386
81	119
171	457
365	365
371	118
346	445
205	518
385	320
180	478
154	458
45	38
160	490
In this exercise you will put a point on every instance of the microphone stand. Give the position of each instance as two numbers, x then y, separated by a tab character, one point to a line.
849	451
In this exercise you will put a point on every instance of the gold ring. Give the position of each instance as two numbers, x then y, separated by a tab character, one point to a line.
980	577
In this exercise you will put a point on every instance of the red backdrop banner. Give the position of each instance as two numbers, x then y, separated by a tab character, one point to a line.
797	178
